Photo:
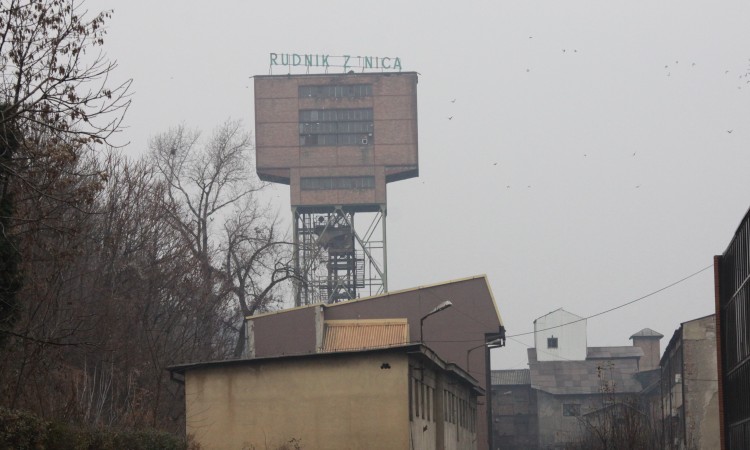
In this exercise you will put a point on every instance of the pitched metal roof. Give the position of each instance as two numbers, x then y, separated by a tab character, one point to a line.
510	377
343	335
647	332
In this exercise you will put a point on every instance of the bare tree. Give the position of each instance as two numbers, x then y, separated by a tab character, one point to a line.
619	423
112	301
139	266
54	75
211	200
56	97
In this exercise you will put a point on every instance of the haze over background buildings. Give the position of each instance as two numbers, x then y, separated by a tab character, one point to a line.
574	157
589	159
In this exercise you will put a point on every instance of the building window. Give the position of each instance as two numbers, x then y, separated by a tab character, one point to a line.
552	342
336	127
416	397
336	91
571	409
422	403
333	183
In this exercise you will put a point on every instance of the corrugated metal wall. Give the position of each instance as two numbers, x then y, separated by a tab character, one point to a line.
734	315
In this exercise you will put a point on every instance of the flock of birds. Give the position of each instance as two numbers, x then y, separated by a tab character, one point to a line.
667	68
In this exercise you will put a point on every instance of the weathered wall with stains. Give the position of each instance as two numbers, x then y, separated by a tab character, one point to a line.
701	388
349	402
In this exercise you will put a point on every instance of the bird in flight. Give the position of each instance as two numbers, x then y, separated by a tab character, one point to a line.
453	101
729	131
450	118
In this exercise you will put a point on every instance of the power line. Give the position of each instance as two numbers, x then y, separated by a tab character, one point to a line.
619	306
542	351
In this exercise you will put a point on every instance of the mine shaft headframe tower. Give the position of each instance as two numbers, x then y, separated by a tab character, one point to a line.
337	140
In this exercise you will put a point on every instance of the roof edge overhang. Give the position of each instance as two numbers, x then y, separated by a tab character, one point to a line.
409	349
386	294
182	368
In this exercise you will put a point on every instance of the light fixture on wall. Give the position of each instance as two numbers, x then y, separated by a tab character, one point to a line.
445	305
495	343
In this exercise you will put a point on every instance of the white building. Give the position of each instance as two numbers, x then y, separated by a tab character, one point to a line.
560	336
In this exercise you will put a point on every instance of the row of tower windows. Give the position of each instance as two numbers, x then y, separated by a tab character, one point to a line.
331	183
336	127
335	115
336	91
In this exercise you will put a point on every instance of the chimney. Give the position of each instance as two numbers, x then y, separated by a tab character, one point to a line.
648	341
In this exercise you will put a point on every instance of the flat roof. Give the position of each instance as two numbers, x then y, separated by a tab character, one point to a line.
421	349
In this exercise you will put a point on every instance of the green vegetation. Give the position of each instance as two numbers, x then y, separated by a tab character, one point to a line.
22	431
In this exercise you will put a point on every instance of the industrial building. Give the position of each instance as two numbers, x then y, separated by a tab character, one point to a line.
732	288
568	384
457	322
689	388
337	140
394	397
352	365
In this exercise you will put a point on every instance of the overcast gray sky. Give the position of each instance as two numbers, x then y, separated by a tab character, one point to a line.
598	151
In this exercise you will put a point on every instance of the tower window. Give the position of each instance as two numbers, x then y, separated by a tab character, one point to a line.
552	342
336	127
336	91
333	183
571	409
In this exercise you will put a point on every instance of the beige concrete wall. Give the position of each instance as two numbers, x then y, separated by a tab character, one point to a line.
701	387
346	402
651	352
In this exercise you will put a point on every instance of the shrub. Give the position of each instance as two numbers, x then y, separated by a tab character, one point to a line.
24	431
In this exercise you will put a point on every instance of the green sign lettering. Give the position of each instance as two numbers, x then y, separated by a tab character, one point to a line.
325	61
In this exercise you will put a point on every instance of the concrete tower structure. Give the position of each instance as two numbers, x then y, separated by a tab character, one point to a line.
337	140
649	341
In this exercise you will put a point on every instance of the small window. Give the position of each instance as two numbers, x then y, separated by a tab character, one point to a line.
571	409
552	342
422	402
416	397
429	397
